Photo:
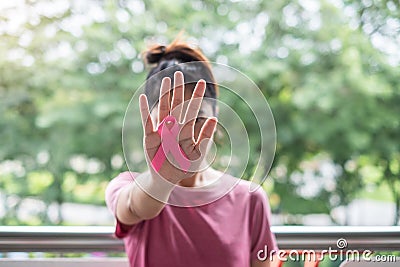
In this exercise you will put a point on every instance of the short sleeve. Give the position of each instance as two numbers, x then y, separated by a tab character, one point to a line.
111	196
261	236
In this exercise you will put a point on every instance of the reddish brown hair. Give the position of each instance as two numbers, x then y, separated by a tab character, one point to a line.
171	58
175	50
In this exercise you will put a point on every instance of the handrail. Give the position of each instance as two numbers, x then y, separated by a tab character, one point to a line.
101	238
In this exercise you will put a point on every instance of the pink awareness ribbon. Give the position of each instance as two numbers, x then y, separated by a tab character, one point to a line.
168	131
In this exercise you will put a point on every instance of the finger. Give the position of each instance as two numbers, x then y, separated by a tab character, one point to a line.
147	122
207	130
163	107
177	100
195	103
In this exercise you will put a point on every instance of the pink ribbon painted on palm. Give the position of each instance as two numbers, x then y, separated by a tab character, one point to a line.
168	131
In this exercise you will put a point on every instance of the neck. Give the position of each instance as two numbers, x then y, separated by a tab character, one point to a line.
194	181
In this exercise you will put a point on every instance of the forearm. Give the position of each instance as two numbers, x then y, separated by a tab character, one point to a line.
143	199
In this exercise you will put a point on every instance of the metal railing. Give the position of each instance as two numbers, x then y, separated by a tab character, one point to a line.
101	238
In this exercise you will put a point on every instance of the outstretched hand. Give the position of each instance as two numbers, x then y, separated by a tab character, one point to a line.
186	119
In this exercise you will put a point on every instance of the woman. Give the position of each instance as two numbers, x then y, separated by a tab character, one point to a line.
229	231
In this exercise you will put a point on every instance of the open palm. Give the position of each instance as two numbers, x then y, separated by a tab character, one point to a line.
185	117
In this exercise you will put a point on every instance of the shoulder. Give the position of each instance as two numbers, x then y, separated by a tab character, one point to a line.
120	180
247	191
249	188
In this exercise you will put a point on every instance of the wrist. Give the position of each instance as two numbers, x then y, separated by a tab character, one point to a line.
155	186
163	177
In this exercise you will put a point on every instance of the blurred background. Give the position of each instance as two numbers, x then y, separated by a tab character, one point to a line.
329	70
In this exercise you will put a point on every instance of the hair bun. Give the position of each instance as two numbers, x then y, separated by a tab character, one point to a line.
155	54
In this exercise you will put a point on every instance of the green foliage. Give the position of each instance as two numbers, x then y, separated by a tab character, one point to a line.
67	76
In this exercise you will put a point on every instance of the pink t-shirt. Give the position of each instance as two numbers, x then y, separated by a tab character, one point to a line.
227	232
